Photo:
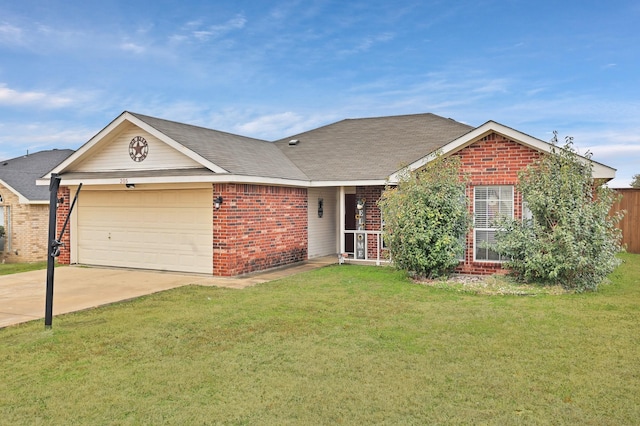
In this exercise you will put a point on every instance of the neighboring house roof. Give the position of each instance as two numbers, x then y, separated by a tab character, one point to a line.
20	174
238	155
369	148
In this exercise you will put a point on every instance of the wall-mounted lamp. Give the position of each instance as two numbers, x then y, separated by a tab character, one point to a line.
61	200
320	207
130	185
217	202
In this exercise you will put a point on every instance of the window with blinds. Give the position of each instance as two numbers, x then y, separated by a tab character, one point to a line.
489	204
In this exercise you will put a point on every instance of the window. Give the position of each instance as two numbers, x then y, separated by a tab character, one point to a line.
490	203
4	230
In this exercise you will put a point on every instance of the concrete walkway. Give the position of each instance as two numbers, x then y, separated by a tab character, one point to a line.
22	296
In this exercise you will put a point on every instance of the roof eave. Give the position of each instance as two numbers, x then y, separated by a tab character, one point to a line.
21	198
600	171
128	117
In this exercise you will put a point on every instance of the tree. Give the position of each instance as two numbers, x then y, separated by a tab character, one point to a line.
426	218
636	181
571	239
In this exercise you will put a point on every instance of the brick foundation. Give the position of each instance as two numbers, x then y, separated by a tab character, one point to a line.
258	227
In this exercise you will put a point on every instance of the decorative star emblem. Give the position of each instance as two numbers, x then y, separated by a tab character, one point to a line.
138	149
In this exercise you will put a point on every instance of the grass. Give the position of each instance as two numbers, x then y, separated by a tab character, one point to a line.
339	345
14	268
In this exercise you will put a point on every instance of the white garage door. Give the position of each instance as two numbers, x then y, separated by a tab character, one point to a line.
166	229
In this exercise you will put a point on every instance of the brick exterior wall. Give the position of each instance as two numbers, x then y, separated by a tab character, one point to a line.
493	160
258	227
63	211
29	229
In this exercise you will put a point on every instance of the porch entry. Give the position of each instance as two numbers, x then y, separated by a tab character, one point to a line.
349	222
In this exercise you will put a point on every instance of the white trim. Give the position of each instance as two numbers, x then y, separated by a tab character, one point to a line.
21	198
600	171
113	126
474	229
220	178
176	145
324	183
341	221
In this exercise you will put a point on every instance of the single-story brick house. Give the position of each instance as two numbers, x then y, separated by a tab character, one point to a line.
24	206
164	195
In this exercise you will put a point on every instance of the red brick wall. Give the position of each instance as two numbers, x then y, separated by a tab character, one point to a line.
493	160
258	227
63	211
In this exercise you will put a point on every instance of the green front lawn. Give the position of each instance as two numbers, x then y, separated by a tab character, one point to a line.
14	268
339	345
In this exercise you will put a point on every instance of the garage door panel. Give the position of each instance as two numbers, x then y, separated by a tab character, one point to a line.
167	230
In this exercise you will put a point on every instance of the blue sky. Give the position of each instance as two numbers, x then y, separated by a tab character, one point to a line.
270	69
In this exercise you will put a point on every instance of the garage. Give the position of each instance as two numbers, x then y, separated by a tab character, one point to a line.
165	229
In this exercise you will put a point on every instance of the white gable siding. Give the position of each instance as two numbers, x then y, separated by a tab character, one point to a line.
322	230
114	155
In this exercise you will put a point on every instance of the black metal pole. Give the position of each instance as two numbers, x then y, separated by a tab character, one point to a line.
51	260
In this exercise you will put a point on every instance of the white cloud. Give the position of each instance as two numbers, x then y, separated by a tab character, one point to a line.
132	47
13	97
368	42
17	138
10	34
200	32
269	126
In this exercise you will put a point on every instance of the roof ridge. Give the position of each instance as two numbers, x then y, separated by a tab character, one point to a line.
143	116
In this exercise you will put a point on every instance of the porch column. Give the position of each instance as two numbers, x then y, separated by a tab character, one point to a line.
341	213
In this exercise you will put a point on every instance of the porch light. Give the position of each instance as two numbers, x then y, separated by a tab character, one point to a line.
217	202
130	185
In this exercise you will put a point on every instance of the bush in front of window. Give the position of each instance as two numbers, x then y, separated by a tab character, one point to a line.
570	238
426	217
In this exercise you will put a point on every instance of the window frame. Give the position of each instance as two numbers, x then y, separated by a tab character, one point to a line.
489	229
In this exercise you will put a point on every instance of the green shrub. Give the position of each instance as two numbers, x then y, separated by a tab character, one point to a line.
426	218
571	239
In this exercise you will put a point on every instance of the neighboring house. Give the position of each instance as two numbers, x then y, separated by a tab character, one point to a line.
169	196
24	206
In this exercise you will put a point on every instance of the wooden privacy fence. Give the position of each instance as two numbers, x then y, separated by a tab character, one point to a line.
630	224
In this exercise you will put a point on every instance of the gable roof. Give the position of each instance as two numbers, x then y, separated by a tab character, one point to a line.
600	171
239	155
369	148
20	174
364	151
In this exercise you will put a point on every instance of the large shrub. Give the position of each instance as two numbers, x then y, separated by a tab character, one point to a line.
426	218
570	238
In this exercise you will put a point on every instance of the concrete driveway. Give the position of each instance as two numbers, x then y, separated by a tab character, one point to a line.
22	296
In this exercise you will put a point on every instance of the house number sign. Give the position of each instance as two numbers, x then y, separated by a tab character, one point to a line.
138	149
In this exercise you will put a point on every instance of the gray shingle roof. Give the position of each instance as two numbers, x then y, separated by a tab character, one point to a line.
21	172
236	154
369	148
